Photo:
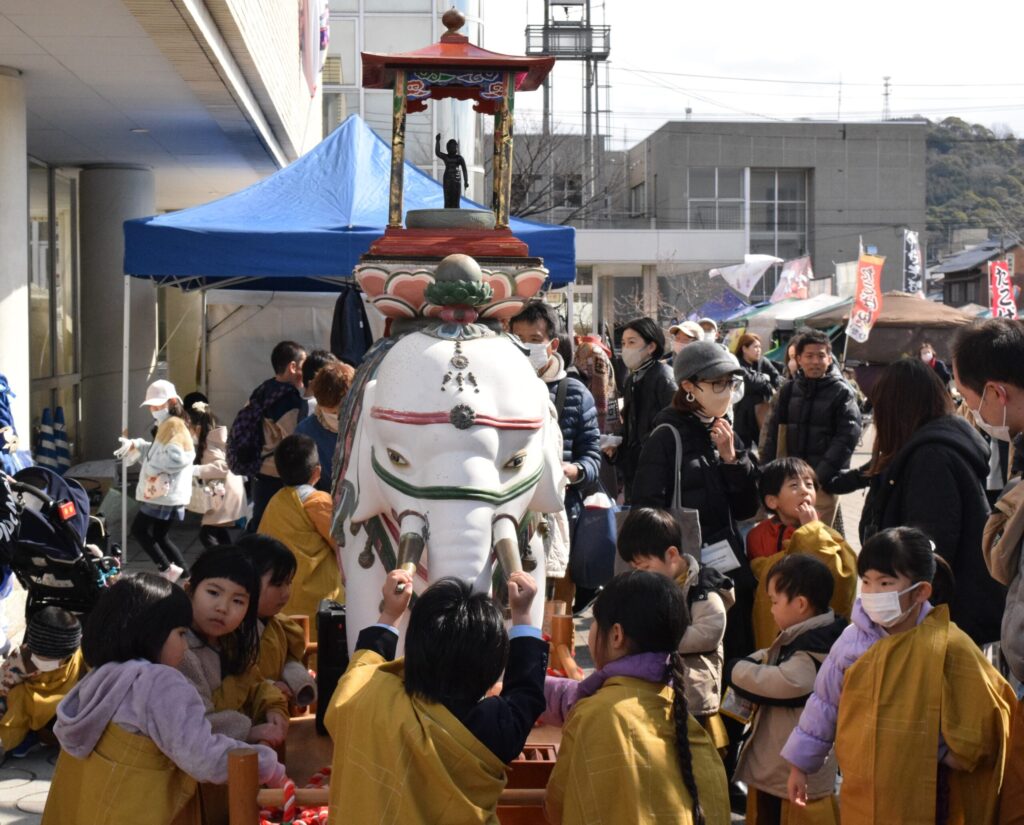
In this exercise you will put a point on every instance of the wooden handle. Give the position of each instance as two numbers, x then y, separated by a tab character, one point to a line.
243	786
304	797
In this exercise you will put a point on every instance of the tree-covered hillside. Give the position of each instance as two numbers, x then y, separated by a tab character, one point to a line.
975	178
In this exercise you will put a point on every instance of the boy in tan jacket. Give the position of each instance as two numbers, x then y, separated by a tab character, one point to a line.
650	539
774	683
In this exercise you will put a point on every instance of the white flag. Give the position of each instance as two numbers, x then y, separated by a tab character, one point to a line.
794	280
744	277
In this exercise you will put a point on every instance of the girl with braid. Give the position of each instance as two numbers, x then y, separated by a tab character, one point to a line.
630	750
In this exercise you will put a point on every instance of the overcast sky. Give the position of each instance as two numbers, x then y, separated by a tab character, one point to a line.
941	63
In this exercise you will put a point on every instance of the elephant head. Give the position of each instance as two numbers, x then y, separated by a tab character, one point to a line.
451	442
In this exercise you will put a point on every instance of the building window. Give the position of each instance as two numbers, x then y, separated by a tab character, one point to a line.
568	190
638	200
53	295
779	218
715	198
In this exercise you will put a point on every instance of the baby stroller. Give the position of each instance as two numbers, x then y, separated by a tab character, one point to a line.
45	535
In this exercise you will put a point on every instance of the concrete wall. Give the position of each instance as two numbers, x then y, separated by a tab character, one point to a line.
865	179
263	36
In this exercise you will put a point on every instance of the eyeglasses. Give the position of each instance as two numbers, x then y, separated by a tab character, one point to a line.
728	382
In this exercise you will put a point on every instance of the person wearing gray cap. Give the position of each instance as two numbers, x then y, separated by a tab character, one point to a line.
715	476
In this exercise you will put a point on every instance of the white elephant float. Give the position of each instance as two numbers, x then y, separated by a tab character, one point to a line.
448	444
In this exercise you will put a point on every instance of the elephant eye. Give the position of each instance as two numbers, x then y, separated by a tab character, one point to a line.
397	459
517	461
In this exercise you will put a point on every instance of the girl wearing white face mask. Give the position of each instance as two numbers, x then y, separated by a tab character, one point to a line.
647	390
330	385
929	468
919	718
165	479
221	493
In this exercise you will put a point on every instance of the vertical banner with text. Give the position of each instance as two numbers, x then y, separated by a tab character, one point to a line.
1001	290
913	269
868	302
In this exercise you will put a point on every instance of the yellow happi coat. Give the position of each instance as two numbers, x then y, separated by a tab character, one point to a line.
32	704
126	779
282	639
401	760
896	700
305	527
822	543
618	763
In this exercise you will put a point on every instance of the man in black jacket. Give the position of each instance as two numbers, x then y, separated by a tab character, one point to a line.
816	418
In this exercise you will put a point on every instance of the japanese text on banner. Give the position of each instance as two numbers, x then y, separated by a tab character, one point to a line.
868	303
1001	290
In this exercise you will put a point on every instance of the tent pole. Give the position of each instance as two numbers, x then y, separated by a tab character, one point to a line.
570	324
203	345
126	326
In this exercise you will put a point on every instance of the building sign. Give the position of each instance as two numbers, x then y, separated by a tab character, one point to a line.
868	304
1001	290
913	269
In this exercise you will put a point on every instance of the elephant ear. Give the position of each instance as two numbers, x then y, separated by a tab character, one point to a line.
549	494
369	499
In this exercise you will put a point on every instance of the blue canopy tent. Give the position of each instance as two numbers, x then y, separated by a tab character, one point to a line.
306	224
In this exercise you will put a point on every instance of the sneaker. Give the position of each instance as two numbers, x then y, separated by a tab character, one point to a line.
172	573
28	744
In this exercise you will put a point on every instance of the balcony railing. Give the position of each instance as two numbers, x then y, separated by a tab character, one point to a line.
570	41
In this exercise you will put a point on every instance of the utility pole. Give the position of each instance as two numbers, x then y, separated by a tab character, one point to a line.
885	97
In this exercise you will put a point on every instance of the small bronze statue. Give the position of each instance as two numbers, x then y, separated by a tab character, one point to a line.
453	163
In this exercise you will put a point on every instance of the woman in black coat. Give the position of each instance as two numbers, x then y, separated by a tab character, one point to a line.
647	391
760	381
715	477
928	470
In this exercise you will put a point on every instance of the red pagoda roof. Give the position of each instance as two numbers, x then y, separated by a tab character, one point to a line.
454	51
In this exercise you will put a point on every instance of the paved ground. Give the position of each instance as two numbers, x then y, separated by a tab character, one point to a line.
24	783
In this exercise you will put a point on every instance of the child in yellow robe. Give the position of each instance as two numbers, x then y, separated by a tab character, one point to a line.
37	676
631	752
789	491
920	720
416	741
134	738
282	641
300	517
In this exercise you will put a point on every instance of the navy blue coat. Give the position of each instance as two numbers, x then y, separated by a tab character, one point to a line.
581	440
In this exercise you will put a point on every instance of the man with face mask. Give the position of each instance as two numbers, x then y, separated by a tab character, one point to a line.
539	328
816	418
988	368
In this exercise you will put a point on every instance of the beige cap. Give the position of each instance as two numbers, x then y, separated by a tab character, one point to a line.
689	328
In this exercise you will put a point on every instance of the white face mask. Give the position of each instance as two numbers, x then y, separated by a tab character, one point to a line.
633	357
926	356
1000	432
884	608
791	363
539	356
677	346
161	415
45	665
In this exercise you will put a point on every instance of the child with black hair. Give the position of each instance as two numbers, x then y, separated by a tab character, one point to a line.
631	752
300	516
919	718
224	491
282	641
414	739
222	647
789	491
37	676
778	680
650	539
134	737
